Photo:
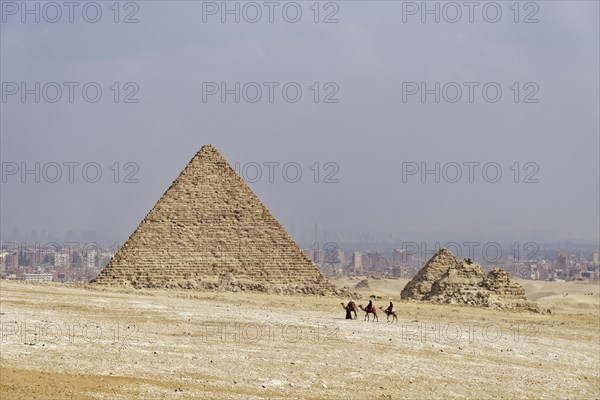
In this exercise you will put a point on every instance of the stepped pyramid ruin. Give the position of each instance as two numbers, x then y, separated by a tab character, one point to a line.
420	285
446	279
210	231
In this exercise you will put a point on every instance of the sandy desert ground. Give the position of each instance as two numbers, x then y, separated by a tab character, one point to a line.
62	342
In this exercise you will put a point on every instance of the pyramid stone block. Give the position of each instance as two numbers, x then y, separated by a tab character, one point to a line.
210	231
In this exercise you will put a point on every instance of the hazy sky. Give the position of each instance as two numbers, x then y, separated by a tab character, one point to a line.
369	61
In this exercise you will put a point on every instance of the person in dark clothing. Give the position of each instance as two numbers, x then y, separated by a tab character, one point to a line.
390	308
348	312
370	305
391	312
350	308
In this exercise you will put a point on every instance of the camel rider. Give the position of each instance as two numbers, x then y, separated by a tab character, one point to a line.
390	308
351	306
370	306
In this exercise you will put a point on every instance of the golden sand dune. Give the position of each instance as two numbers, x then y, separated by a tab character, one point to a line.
564	294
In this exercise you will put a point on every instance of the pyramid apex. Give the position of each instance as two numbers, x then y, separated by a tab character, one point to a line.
209	153
208	148
442	251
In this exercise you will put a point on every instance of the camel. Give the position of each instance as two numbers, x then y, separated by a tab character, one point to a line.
367	312
351	310
388	313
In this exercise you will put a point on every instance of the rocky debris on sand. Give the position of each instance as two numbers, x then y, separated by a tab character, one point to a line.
364	284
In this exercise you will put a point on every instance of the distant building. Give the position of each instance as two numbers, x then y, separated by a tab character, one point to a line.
561	260
590	274
339	256
38	277
11	262
91	259
3	257
399	257
595	258
375	261
61	260
533	270
357	262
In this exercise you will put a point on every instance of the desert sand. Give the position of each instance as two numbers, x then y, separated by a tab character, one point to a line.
61	342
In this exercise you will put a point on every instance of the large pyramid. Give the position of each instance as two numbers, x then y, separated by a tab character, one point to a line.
210	231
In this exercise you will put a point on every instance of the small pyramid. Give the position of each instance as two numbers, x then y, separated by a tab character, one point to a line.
210	231
498	281
446	279
462	280
420	285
